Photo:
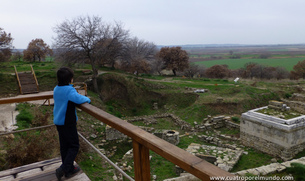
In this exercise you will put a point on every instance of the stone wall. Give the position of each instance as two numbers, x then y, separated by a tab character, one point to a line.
296	105
113	134
272	168
151	118
296	102
232	125
217	122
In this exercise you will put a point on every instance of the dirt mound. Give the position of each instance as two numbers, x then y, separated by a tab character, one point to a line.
133	94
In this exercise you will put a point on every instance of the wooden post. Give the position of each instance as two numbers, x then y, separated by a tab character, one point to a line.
141	162
18	79
36	81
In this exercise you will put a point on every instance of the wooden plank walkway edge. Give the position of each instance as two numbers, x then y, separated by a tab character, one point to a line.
39	171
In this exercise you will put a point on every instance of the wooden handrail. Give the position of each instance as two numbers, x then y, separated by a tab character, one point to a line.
142	143
36	81
27	97
190	163
18	79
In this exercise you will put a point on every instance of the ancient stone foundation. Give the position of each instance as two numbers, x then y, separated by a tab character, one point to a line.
113	134
272	135
170	136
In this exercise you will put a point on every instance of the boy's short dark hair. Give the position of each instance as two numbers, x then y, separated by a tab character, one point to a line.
64	76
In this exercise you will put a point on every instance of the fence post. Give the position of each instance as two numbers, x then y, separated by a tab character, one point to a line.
141	162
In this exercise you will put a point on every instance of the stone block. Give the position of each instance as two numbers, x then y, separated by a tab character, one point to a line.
242	173
224	167
262	170
253	171
171	136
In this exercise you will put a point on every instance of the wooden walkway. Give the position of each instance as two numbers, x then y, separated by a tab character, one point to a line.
40	171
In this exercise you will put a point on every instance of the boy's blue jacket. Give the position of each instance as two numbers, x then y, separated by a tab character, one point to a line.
64	96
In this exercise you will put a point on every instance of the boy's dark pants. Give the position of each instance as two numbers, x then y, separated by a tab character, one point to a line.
69	146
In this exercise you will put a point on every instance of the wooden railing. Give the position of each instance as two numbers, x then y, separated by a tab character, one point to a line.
142	143
36	81
80	86
18	79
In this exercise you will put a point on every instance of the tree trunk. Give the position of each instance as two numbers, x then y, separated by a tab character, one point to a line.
112	64
174	71
94	80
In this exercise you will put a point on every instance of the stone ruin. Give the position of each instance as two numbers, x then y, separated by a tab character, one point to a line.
170	136
296	102
278	106
275	136
224	158
113	134
223	155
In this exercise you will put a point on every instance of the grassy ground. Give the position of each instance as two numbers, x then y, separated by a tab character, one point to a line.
128	95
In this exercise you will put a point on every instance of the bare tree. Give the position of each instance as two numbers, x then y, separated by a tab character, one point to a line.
91	39
17	56
157	65
137	54
201	71
191	71
111	47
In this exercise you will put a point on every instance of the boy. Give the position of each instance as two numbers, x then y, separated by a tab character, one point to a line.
65	99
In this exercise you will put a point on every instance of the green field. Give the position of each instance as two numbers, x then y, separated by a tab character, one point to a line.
288	63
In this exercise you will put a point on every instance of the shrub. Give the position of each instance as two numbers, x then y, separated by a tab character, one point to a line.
24	119
235	119
287	95
41	118
297	170
32	147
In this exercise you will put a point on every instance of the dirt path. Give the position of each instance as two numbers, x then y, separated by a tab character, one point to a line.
7	116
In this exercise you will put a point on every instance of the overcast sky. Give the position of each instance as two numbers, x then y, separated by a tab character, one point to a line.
165	22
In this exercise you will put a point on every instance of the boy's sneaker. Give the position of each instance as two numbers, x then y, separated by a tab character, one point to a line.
74	171
59	173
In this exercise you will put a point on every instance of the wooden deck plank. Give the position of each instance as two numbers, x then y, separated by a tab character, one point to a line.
25	168
50	176
40	171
